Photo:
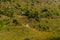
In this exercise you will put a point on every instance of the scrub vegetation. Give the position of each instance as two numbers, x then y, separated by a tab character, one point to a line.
29	20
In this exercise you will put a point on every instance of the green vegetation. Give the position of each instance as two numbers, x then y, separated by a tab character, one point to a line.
29	20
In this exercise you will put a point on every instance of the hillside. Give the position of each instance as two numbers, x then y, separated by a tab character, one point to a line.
29	19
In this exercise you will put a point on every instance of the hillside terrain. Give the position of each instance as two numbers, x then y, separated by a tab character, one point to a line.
29	19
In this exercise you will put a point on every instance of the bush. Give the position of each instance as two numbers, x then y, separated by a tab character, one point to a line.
1	12
44	10
4	0
27	13
26	39
15	22
54	38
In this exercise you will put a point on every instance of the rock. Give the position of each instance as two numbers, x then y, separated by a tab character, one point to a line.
27	25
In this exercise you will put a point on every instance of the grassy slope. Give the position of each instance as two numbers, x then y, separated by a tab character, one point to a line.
20	32
23	33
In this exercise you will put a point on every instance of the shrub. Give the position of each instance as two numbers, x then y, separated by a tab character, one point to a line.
4	0
54	38
1	12
15	22
44	10
27	39
27	13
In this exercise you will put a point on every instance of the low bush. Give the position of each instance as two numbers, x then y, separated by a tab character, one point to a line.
54	38
26	39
